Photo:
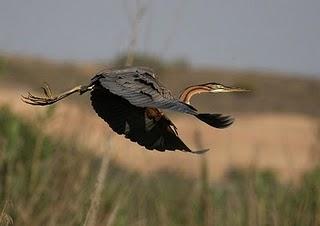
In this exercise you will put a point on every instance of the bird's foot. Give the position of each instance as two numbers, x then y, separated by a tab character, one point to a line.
42	101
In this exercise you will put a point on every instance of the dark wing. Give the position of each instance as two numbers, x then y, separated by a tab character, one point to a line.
141	88
125	118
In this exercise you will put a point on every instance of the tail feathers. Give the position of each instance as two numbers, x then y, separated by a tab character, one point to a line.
216	120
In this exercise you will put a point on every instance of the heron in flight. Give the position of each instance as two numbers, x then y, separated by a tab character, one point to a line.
130	99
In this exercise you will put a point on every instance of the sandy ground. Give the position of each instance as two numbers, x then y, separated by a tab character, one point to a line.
284	143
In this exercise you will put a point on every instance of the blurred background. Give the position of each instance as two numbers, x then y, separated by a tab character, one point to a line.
62	165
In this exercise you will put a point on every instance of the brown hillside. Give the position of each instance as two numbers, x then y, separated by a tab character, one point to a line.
275	130
271	92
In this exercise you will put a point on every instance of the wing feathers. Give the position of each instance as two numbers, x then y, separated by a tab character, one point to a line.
216	120
131	121
120	97
141	90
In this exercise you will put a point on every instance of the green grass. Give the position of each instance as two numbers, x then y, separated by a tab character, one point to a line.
2	66
46	182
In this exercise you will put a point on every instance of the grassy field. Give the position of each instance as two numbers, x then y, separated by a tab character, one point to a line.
46	182
49	172
266	133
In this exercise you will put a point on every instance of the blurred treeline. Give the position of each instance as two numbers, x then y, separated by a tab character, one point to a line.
46	182
271	91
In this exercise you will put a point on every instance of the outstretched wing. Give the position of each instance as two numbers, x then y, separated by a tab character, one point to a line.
132	121
141	88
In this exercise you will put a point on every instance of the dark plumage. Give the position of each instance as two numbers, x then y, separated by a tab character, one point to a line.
132	121
129	101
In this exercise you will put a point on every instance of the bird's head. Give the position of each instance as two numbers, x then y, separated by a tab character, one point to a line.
214	87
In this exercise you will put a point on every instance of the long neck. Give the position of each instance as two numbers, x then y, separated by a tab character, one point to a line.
186	94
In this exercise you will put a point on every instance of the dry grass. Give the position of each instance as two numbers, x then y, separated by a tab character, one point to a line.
61	182
256	141
91	218
5	219
271	140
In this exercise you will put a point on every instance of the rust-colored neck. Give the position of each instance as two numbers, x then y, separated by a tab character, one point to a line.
186	95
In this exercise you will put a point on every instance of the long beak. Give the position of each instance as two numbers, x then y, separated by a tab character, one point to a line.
231	89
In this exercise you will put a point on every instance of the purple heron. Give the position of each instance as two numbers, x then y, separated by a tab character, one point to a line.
130	99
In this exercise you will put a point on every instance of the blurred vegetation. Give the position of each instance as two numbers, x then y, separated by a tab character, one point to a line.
2	66
271	92
46	182
34	71
158	64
